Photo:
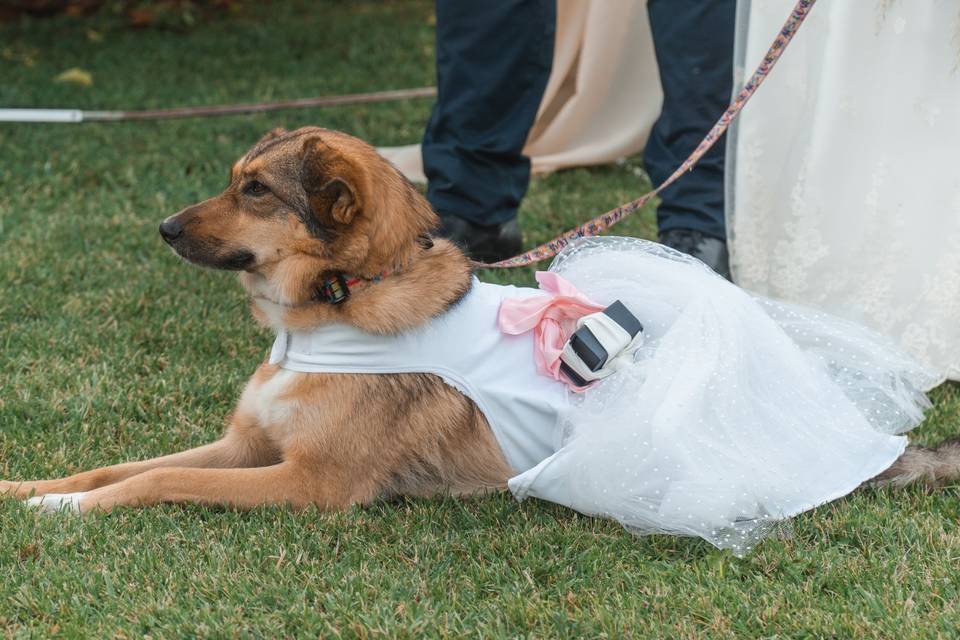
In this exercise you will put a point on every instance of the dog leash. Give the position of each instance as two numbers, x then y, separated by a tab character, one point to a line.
77	115
604	221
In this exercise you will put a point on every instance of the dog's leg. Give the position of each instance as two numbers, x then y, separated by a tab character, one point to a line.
286	483
242	446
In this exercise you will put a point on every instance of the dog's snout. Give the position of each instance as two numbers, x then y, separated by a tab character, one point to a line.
171	229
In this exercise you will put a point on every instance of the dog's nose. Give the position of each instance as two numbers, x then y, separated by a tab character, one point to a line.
171	229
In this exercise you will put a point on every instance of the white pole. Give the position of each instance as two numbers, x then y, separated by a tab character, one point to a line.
41	115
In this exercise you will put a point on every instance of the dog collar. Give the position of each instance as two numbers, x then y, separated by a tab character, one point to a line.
336	288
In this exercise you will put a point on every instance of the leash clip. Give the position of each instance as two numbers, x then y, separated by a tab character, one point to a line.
602	343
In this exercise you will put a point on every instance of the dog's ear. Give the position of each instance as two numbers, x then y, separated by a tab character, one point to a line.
329	181
339	198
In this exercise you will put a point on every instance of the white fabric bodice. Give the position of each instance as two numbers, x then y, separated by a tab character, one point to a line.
465	347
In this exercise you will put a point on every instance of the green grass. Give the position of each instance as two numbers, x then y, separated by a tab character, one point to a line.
112	350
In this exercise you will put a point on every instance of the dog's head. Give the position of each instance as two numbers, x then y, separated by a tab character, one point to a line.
302	204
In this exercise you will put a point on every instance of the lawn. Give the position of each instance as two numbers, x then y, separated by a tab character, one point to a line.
112	349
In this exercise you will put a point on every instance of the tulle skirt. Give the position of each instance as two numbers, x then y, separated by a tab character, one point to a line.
737	413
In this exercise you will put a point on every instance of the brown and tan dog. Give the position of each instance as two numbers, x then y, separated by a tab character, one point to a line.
301	207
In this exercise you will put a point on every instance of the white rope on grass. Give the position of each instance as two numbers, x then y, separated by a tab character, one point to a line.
77	115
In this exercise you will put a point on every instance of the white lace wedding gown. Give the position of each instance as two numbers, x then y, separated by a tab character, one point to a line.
844	186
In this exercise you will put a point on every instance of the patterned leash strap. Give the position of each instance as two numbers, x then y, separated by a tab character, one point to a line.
604	221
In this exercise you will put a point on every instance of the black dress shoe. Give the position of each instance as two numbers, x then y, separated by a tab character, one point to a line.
709	250
482	242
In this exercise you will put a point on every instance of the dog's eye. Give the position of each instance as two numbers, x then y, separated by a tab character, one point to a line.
255	188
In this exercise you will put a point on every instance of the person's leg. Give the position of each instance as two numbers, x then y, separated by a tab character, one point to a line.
493	62
694	45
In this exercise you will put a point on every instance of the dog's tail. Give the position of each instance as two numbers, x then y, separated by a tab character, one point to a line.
923	465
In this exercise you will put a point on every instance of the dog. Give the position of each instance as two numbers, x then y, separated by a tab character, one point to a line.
303	208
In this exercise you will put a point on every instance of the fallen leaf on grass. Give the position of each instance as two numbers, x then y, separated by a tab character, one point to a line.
76	76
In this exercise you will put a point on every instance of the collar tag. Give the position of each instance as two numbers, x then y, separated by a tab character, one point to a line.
334	290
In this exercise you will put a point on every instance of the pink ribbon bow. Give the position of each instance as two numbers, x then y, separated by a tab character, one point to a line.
553	319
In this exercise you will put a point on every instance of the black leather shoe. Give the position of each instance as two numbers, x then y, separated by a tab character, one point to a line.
481	242
709	250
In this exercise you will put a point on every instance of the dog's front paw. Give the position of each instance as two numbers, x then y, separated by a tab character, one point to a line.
57	502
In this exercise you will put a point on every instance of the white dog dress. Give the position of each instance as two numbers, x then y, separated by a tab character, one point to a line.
736	413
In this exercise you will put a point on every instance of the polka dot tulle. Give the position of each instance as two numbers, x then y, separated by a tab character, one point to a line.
737	413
